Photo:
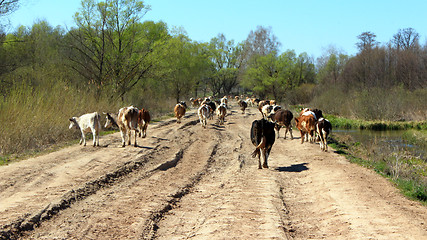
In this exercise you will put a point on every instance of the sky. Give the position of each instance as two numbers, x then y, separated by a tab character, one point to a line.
310	26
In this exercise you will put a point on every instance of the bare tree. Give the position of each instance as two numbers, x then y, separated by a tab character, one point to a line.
406	39
367	41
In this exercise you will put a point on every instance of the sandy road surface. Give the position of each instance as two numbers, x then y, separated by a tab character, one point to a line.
185	182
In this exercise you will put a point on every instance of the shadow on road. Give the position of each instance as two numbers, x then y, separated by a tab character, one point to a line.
293	168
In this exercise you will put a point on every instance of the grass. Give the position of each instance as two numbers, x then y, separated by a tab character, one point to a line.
408	173
346	123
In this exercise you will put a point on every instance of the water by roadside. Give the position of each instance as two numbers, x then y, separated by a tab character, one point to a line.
389	141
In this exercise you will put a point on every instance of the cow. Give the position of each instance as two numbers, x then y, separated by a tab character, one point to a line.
90	122
127	120
261	104
306	123
262	137
243	105
212	107
224	101
204	114
275	108
282	117
144	119
221	111
179	110
323	129
265	111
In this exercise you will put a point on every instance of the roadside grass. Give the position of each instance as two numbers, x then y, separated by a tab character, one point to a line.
347	123
408	173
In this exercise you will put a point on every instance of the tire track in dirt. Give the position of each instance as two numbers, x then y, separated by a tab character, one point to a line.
27	221
161	199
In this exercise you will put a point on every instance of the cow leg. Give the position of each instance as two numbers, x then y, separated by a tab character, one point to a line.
123	135
135	145
265	155
94	137
326	141
144	130
83	139
290	131
302	136
129	132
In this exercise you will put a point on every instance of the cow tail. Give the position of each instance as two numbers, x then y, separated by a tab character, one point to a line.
98	120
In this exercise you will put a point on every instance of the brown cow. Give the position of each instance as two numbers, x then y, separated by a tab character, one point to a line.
282	117
179	110
306	124
143	121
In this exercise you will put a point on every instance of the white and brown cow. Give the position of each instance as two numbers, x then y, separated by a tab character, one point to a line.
243	105
90	122
262	137
127	120
144	119
204	113
221	111
179	110
265	110
323	129
224	101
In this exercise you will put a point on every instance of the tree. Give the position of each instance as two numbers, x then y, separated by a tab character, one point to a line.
367	41
8	6
261	42
330	66
406	39
226	62
110	46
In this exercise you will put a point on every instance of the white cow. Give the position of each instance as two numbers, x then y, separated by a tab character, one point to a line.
89	122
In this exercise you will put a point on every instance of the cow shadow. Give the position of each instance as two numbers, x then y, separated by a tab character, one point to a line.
293	168
218	127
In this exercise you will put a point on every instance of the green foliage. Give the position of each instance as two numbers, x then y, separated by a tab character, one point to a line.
272	76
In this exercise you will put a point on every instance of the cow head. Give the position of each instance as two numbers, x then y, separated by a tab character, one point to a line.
183	104
110	121
73	123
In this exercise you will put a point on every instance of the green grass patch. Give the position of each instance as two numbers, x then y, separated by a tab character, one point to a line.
412	189
347	123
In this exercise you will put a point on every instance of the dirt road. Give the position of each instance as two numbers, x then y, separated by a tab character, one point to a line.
186	182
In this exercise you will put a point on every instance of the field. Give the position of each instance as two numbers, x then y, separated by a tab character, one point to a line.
184	181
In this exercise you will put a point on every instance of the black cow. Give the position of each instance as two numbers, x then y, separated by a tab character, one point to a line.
263	137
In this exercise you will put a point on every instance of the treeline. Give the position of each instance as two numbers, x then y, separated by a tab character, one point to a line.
112	58
382	82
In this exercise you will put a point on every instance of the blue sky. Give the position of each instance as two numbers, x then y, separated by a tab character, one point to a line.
302	25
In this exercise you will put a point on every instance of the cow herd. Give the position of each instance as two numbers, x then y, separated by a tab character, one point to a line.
310	122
